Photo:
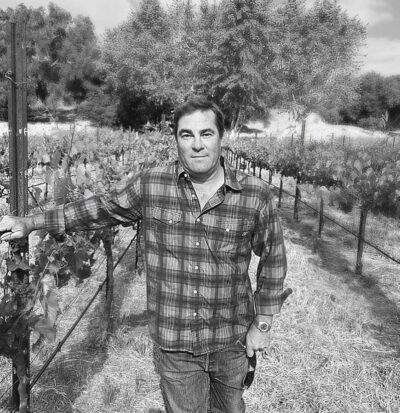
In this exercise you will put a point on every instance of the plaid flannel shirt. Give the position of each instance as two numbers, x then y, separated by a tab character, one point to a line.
199	295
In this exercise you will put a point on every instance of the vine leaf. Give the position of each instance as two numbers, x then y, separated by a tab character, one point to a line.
45	328
7	306
17	263
49	302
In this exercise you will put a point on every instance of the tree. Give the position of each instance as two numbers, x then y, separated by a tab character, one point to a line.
61	55
79	56
378	104
317	55
137	58
238	59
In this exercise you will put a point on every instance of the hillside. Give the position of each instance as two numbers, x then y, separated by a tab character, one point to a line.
281	125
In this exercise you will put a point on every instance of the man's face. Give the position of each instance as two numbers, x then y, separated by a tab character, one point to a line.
199	143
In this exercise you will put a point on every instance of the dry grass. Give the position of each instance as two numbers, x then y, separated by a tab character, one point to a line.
334	346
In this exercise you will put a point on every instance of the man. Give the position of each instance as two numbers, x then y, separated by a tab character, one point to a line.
201	221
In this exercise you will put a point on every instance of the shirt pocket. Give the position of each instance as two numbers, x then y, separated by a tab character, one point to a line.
232	235
165	224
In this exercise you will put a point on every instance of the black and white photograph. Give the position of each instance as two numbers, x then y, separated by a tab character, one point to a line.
200	206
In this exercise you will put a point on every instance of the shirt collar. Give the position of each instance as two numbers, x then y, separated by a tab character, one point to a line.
230	175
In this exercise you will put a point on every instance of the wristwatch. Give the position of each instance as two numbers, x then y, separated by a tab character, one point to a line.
263	326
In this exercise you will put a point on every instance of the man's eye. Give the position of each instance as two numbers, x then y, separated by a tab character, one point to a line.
207	134
186	136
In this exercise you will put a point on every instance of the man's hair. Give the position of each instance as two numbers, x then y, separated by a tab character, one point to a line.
202	104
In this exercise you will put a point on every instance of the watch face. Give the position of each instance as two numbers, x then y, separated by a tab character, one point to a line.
264	327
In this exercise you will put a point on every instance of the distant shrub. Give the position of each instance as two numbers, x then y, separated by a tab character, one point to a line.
371	122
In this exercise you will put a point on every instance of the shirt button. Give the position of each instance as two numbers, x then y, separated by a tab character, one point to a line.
194	314
195	291
197	244
170	221
198	220
227	229
193	195
196	267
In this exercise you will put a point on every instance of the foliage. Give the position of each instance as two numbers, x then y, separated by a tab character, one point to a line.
61	55
369	174
242	51
248	55
378	105
317	55
75	165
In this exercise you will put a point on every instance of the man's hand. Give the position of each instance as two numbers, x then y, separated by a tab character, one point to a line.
256	340
12	227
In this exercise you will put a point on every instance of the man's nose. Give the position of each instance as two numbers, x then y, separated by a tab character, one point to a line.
197	143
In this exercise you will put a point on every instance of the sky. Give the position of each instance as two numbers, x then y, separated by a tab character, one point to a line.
382	17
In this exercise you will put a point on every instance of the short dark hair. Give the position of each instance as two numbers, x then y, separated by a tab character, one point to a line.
203	104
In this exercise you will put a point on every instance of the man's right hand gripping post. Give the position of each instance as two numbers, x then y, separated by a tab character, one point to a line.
13	227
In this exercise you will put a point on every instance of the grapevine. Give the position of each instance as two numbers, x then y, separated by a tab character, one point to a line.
74	165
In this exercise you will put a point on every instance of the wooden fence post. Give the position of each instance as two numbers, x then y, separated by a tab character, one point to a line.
321	217
297	200
18	160
303	131
280	192
137	247
360	246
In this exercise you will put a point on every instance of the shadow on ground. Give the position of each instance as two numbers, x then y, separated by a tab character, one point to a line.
85	353
334	255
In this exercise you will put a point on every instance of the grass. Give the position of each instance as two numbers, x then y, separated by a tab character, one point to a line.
334	346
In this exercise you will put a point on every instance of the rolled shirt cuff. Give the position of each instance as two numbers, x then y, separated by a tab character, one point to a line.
54	220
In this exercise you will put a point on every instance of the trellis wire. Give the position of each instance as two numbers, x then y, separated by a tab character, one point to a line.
369	243
70	331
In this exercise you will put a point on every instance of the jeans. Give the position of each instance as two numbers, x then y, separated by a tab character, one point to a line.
195	384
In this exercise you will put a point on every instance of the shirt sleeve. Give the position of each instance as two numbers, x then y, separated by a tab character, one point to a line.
268	244
120	207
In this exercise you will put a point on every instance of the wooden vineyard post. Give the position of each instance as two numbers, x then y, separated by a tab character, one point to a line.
254	169
360	246
107	238
303	131
137	248
297	200
237	162
163	124
280	192
18	161
321	217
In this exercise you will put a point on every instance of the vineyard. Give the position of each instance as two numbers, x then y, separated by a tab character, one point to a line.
73	316
64	167
75	163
